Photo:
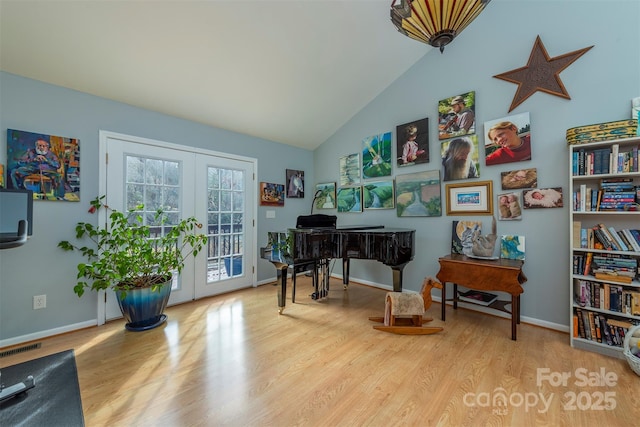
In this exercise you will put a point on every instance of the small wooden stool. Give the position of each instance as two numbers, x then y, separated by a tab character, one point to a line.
404	312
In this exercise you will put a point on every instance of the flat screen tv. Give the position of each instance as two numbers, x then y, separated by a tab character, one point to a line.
14	206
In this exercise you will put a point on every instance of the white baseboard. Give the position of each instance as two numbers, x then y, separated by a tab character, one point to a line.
47	333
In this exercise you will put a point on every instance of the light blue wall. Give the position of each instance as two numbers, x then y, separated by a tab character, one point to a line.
601	84
39	267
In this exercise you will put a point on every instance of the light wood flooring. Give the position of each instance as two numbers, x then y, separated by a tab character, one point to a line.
232	360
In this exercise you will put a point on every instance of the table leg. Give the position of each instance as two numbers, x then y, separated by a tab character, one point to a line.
444	299
455	296
514	316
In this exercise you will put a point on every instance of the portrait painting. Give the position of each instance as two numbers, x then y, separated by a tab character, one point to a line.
349	199
412	143
376	156
507	139
418	194
271	194
325	197
295	183
509	206
378	195
543	198
460	158
48	165
520	178
457	116
350	170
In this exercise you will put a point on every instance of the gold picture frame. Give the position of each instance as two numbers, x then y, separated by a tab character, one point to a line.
470	198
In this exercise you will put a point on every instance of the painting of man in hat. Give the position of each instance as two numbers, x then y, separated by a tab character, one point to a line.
456	116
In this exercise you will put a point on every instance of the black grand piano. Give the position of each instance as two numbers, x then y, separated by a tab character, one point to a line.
317	239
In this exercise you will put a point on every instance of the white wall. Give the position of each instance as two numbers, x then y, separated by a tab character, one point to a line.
601	84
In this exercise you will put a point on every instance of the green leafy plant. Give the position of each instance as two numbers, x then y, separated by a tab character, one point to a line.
126	254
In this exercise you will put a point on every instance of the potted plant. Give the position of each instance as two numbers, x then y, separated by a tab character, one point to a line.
128	257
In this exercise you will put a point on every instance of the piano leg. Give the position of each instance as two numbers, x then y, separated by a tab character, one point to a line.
345	272
397	277
282	290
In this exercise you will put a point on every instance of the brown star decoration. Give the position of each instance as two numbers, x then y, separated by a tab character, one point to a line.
540	74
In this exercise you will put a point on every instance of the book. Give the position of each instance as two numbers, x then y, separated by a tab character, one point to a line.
478	297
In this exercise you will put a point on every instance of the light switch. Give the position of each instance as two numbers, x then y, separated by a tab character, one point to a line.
271	214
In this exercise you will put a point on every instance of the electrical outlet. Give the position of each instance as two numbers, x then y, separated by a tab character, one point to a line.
39	301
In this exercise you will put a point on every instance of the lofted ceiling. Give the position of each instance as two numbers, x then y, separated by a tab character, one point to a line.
287	71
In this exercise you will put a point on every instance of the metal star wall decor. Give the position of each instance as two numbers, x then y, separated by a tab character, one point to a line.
541	73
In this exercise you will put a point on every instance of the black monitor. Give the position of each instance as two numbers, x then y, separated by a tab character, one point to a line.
15	205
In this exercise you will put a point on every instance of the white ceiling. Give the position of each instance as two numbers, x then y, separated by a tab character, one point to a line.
287	71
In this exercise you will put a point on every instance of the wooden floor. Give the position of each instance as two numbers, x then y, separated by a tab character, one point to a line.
232	360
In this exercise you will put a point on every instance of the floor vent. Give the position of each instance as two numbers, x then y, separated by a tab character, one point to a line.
20	349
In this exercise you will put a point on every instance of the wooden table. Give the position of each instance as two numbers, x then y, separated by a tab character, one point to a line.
503	275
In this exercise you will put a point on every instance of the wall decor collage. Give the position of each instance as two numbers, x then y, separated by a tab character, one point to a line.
366	179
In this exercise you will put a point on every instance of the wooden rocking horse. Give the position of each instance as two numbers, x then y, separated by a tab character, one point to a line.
403	312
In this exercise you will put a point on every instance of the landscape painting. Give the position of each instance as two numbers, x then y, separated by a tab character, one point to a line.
376	156
418	194
349	199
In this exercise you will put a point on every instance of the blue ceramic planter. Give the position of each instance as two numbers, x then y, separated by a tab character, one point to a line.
143	308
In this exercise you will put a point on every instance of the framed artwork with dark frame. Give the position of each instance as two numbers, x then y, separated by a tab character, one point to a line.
470	198
412	143
295	184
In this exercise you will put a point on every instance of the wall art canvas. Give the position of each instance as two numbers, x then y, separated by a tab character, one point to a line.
512	247
457	115
376	156
507	139
412	143
46	164
470	198
509	206
418	194
1	175
520	178
543	198
295	183
460	158
349	199
350	170
271	194
462	236
325	197
379	195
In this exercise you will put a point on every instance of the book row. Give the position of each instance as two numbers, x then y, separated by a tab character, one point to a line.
599	327
601	236
606	296
612	195
608	160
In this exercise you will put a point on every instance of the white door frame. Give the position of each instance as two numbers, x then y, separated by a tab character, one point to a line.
102	189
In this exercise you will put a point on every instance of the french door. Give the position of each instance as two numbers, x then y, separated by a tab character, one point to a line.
217	189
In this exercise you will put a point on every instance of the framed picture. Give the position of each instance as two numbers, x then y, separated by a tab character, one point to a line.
325	197
271	194
295	183
507	139
457	116
460	158
376	156
509	206
470	198
48	165
412	143
350	170
543	198
521	178
349	199
418	194
378	195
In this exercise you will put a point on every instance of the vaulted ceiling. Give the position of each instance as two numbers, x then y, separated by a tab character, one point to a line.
287	71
